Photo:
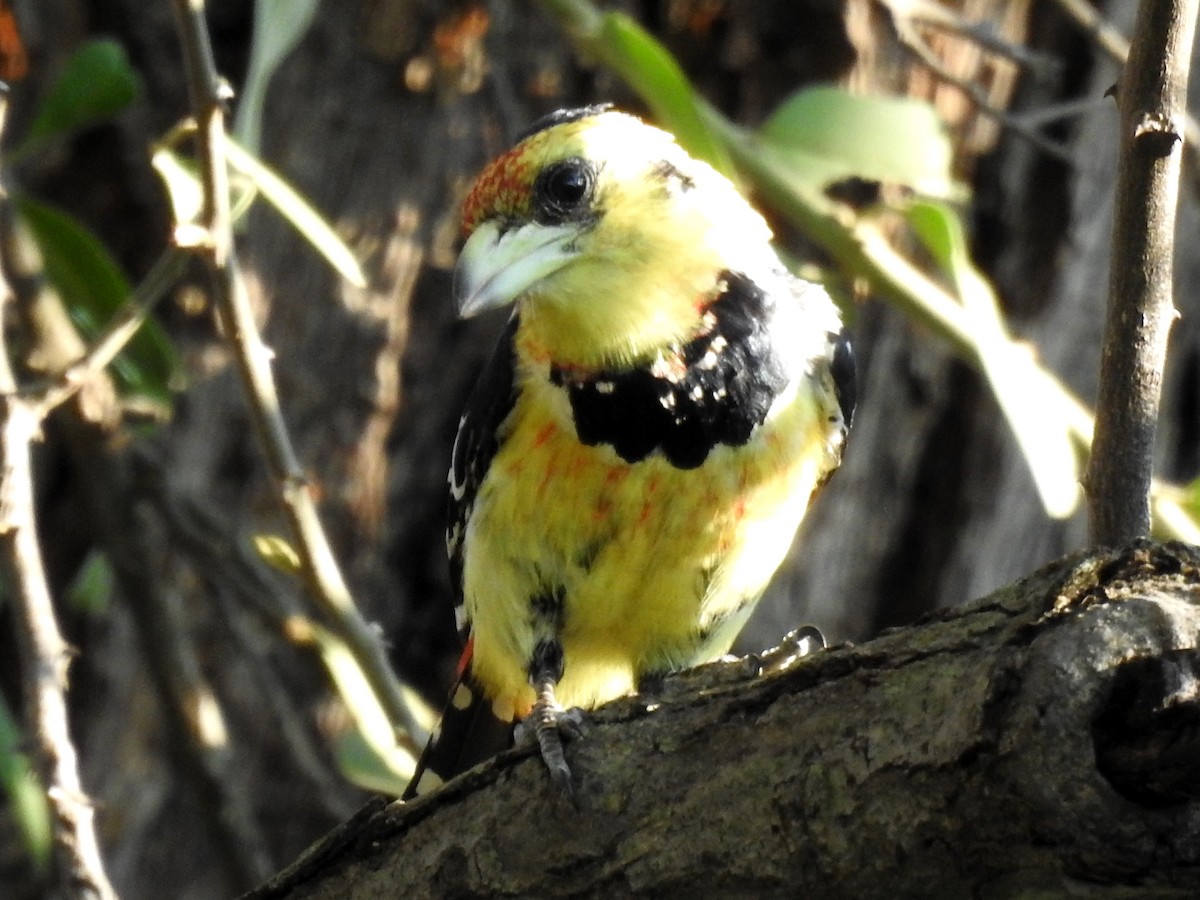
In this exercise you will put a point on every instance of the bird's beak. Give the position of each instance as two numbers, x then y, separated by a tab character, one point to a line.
497	265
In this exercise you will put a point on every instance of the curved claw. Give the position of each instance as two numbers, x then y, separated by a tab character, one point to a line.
549	725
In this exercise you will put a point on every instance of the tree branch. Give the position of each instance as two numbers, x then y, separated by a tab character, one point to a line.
1153	97
44	654
995	749
117	333
208	93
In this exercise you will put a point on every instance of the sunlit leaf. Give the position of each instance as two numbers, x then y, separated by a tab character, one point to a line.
298	212
361	764
651	70
374	733
181	179
277	553
93	288
278	27
96	84
1031	399
829	135
1176	511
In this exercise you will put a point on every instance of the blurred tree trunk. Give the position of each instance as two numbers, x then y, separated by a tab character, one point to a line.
381	117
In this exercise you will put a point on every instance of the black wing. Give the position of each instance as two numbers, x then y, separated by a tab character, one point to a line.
478	439
845	382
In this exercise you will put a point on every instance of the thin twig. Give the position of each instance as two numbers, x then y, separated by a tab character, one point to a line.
1153	98
1116	45
912	41
44	654
208	92
162	277
933	15
252	602
1105	34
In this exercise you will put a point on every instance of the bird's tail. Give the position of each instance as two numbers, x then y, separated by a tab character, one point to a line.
467	734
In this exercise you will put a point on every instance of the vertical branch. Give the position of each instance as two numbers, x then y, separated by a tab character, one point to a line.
45	656
208	93
1153	94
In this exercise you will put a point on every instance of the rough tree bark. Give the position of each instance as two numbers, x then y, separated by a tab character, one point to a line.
1040	741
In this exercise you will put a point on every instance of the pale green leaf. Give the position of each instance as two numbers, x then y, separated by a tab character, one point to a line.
298	212
1032	400
827	135
651	70
278	27
181	179
373	730
361	764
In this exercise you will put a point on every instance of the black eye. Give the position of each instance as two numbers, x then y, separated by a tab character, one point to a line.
563	191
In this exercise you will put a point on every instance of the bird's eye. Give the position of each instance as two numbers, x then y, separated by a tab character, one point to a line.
562	191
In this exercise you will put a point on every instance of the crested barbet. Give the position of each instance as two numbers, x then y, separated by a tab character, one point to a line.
643	444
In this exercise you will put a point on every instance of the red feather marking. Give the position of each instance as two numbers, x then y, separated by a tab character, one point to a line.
464	661
504	186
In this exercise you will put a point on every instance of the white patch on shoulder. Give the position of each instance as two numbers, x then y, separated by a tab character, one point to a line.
801	326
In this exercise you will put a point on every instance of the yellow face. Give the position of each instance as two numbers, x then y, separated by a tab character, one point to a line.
609	237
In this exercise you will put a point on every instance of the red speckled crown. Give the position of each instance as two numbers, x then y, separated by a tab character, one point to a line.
503	187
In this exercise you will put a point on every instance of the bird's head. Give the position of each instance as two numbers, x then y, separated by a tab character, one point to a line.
609	237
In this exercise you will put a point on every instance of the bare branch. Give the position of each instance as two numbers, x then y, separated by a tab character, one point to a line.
161	278
1153	97
934	15
904	20
45	656
208	93
1116	45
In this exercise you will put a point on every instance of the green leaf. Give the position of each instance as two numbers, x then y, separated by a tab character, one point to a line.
96	84
828	135
374	737
298	212
361	764
1176	511
278	27
636	56
27	798
92	288
92	589
252	178
651	70
1030	398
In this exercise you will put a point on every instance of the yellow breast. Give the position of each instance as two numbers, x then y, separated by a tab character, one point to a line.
653	567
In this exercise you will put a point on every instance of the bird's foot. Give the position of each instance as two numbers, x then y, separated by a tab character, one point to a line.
803	641
549	725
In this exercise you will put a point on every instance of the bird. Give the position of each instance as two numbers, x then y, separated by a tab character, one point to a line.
641	447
